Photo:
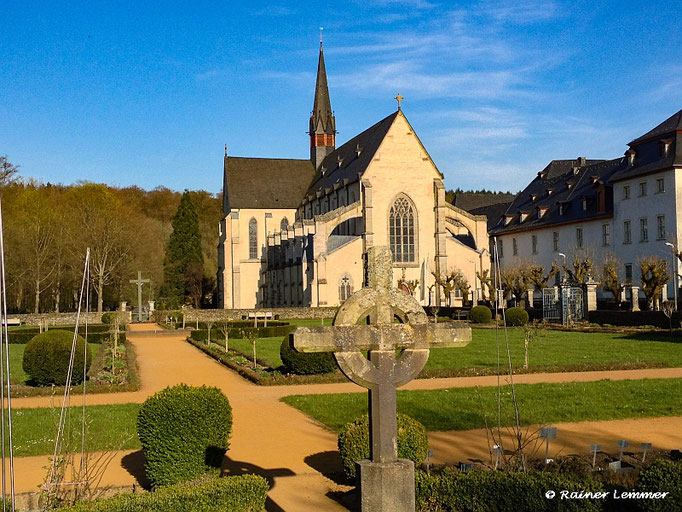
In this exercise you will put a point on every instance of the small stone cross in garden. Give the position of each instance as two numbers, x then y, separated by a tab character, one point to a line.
139	282
366	322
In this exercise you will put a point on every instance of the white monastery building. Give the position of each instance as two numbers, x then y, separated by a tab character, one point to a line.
630	206
296	232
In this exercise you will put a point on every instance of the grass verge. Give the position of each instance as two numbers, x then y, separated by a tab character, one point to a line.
108	427
467	408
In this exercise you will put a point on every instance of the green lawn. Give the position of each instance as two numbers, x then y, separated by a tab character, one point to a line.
549	348
109	427
463	408
16	357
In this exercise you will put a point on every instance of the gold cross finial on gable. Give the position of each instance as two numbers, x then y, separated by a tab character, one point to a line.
399	98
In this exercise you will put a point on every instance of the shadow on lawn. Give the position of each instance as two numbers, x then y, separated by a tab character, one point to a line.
668	337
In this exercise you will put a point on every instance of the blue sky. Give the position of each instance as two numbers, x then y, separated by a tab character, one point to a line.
148	93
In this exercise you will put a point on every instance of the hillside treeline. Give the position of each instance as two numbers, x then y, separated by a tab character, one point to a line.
48	228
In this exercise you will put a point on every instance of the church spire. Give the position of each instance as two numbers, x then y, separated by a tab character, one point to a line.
322	122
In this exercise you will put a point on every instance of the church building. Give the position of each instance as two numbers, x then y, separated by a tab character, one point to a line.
296	232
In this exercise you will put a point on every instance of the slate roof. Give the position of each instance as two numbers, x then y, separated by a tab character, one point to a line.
584	181
672	124
470	201
265	182
492	211
351	165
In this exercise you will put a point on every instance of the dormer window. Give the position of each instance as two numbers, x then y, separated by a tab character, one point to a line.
339	160
561	208
534	197
524	216
508	219
665	146
630	155
358	149
542	210
594	179
569	185
583	200
550	191
323	170
542	175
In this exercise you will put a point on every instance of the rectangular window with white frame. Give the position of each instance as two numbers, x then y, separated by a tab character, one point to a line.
534	243
515	247
660	227
555	241
627	232
500	249
626	192
606	235
643	229
642	189
660	185
579	238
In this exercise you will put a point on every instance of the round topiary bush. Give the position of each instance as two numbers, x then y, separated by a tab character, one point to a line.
109	318
47	355
516	317
305	364
184	433
413	442
480	315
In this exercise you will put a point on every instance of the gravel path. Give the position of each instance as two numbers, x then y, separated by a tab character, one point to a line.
293	451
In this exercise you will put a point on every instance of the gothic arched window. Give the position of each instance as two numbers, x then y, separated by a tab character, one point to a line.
401	231
284	225
253	239
345	287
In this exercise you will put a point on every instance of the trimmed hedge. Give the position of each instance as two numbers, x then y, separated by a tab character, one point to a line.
661	475
246	493
482	491
480	315
184	433
47	355
260	332
634	318
240	324
24	336
353	442
516	317
305	364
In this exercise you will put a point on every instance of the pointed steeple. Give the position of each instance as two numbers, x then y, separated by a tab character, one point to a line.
322	127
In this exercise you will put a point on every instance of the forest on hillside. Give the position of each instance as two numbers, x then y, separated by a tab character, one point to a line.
48	227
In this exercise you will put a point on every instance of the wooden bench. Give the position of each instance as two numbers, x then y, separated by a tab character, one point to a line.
13	322
260	315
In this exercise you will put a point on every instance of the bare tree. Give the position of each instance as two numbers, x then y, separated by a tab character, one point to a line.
655	275
8	171
668	310
610	278
486	284
535	275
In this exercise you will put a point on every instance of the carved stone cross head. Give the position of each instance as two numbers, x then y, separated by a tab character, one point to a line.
367	321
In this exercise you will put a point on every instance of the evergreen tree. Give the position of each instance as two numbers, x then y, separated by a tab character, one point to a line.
184	259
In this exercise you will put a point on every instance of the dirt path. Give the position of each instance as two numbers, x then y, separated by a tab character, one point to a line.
292	450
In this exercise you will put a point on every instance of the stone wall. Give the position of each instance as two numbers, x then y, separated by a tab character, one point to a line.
57	318
204	315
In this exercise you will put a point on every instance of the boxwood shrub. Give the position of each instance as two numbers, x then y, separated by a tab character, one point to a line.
661	475
184	433
47	355
480	491
353	442
302	363
480	315
246	493
516	317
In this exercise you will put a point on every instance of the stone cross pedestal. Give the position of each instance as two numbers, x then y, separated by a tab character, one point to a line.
366	322
139	282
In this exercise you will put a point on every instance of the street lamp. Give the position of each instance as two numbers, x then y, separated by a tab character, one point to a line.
673	253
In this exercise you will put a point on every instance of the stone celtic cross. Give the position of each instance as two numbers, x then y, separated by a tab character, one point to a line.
366	321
